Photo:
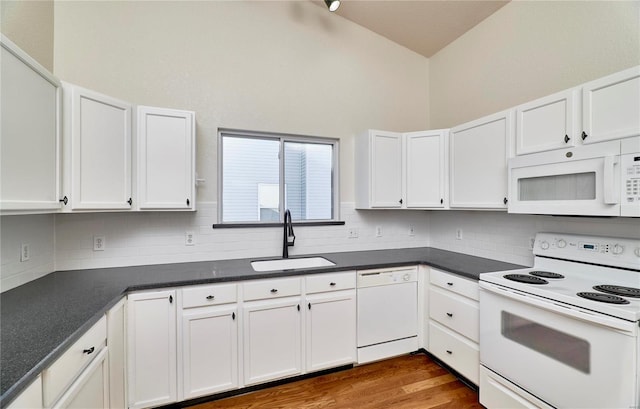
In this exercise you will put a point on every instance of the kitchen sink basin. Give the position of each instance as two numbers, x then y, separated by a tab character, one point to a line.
291	263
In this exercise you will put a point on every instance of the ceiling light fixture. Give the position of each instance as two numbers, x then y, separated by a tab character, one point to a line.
332	4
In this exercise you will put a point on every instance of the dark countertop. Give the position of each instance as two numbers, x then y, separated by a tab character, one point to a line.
41	319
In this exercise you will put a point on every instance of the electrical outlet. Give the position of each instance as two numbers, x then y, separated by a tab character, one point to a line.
99	243
25	252
189	239
458	234
532	242
352	233
412	231
378	231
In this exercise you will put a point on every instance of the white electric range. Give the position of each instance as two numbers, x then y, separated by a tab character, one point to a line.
564	333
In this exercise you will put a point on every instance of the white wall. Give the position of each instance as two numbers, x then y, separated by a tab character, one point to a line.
38	232
503	236
154	237
529	49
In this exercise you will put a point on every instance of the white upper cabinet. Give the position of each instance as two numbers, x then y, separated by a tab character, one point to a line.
378	156
547	123
611	107
166	159
426	169
97	150
30	129
401	171
478	162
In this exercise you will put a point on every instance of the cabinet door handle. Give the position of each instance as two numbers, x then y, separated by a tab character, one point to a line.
566	139
274	290
188	202
505	200
89	351
400	201
130	202
309	305
210	297
298	307
584	135
449	283
449	314
441	201
233	316
171	299
64	200
332	284
449	352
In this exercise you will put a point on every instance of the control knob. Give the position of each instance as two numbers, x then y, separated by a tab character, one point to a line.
544	245
618	248
561	244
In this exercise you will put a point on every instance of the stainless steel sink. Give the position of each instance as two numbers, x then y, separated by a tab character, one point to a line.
290	264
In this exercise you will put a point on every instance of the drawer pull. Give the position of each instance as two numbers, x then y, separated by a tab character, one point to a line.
89	351
449	314
449	283
332	284
210	297
449	352
274	290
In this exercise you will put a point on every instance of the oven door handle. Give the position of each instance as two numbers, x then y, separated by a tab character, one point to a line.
609	180
626	327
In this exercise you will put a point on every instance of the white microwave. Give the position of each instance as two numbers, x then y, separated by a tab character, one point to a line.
601	179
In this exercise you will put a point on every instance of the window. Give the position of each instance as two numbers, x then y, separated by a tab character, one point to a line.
262	174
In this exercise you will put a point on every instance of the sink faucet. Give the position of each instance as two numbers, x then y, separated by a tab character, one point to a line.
287	234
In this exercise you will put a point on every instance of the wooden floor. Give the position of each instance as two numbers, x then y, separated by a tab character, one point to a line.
408	382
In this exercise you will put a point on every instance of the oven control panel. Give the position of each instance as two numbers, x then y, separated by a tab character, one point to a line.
613	251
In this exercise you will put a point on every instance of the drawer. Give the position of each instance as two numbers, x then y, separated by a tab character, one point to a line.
463	286
457	352
65	369
330	282
275	288
460	314
204	295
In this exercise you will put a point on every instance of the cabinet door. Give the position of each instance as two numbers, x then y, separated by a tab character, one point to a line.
30	125
100	150
546	123
425	169
91	389
610	107
478	157
166	141
30	398
331	330
386	169
151	332
272	340
210	350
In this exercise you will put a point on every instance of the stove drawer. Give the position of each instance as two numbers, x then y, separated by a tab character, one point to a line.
454	350
460	314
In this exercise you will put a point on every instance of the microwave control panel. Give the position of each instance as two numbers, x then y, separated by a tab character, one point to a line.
631	178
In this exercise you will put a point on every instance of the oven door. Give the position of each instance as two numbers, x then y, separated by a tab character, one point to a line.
575	181
569	358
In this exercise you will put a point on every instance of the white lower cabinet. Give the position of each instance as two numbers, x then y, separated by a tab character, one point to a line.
116	342
30	398
209	340
330	330
453	325
151	332
91	389
272	339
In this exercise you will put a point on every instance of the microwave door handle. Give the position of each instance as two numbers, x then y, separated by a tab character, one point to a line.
609	183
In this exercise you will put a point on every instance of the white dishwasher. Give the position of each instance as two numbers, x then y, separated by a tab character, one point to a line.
387	313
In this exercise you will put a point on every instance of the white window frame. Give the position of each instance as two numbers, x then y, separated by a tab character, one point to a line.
282	138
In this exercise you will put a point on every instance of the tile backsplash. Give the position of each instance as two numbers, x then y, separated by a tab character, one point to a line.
66	241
